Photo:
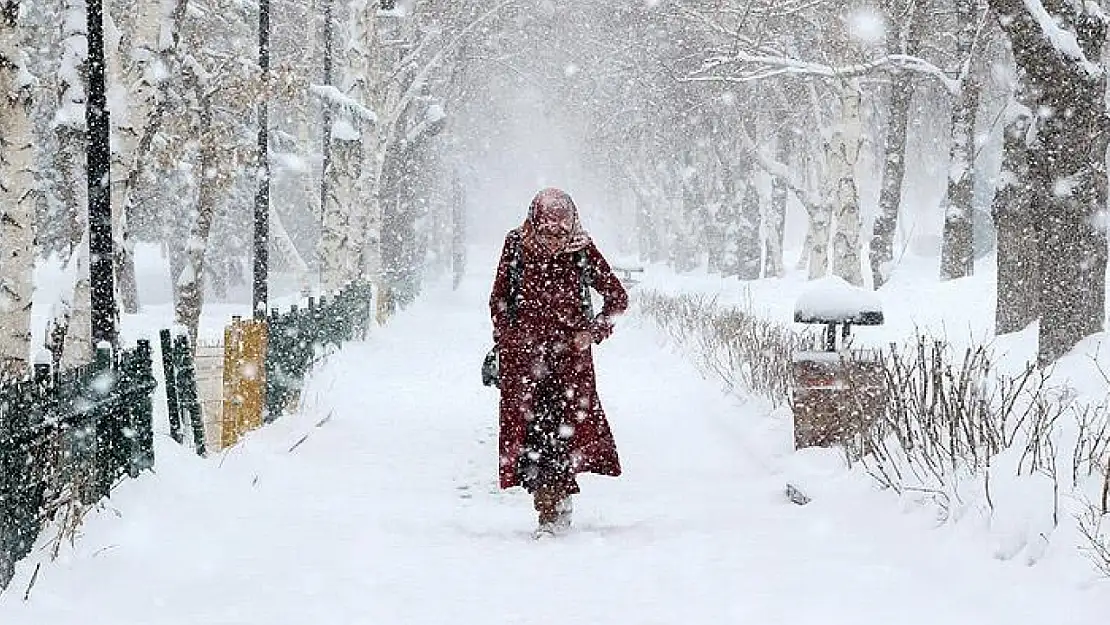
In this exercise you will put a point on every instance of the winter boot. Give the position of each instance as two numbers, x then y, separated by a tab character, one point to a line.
546	503
564	509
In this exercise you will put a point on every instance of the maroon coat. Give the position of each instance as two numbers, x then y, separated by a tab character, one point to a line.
548	315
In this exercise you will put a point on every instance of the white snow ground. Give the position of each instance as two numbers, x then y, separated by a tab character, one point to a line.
388	512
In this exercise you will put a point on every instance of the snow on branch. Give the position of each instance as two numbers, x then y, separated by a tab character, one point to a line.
422	75
432	120
1062	39
767	66
334	97
780	171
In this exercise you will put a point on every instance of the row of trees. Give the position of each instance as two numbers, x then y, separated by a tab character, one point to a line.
353	97
706	124
715	118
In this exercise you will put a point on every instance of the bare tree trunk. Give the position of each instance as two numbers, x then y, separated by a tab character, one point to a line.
139	27
457	201
775	224
1018	235
748	240
190	301
957	250
844	153
1067	167
77	344
17	193
340	180
72	334
894	162
150	48
820	224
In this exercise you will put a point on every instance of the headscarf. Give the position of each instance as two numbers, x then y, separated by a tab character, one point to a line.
553	205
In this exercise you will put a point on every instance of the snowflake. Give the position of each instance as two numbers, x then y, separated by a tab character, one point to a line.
867	26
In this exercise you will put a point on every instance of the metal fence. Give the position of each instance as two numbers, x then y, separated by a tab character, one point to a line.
294	338
66	437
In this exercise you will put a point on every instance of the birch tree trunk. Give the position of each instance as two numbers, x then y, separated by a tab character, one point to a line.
369	66
957	253
77	344
136	29
1018	235
17	192
190	282
74	327
844	152
136	69
345	193
340	183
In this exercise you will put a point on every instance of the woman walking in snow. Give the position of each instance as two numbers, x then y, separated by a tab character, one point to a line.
552	426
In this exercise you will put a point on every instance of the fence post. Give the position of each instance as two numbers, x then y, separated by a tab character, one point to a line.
187	392
142	409
102	385
279	349
11	478
244	379
168	370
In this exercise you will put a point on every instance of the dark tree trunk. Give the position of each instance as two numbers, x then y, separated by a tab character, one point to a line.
1067	169
260	279
894	163
325	147
748	243
1018	267
99	162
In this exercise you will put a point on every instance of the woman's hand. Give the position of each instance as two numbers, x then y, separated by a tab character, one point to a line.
582	340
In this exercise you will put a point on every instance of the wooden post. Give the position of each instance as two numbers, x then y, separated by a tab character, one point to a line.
244	379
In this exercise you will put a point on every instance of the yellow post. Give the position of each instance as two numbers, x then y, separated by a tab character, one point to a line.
244	378
385	304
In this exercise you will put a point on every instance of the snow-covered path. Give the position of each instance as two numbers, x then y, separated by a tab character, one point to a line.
388	513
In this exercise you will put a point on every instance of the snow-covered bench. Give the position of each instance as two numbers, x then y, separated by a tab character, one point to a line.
836	390
625	272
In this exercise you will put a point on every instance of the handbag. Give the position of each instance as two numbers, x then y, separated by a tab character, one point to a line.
491	370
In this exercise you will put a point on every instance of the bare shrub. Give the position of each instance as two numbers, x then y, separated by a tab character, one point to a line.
743	350
944	414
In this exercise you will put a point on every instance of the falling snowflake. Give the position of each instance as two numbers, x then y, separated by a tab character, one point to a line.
867	26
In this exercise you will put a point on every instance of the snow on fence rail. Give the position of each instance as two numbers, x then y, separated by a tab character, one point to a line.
66	437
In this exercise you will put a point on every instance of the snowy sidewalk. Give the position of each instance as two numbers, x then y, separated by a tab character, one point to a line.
388	513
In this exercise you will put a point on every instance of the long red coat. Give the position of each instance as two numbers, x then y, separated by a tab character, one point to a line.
539	342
